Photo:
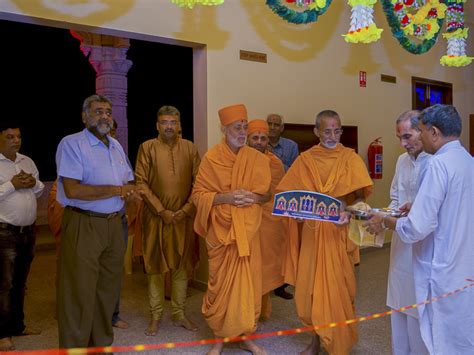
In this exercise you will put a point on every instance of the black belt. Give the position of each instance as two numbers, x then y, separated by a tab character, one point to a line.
17	229
92	213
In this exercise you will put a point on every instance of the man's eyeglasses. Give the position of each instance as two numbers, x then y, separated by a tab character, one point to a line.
100	112
168	123
329	132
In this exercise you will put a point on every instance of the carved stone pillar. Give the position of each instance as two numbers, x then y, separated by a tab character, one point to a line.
108	56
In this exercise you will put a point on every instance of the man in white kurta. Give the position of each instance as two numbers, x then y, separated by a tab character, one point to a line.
442	235
406	336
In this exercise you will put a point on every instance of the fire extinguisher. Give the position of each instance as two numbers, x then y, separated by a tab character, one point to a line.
375	157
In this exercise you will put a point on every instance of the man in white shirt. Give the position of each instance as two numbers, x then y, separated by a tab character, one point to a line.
406	336
440	228
19	189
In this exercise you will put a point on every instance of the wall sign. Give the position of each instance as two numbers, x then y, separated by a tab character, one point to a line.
362	79
253	56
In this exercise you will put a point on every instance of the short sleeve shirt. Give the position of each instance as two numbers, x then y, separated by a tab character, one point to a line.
82	156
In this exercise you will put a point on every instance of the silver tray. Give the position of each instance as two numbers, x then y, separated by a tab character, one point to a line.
365	215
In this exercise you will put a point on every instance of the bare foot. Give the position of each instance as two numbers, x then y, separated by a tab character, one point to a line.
29	331
186	324
152	328
121	324
6	344
216	349
249	345
313	348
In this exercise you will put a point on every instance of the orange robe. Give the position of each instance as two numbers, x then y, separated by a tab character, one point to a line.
273	235
55	215
134	215
232	301
319	262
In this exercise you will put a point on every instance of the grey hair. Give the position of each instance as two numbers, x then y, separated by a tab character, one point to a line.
325	113
444	117
86	106
168	111
277	115
412	115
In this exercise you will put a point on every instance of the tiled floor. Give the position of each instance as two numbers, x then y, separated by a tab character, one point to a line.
374	336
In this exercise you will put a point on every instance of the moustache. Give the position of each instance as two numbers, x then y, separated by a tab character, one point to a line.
104	122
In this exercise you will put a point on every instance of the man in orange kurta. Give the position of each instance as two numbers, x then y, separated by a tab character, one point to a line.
165	170
273	231
232	183
320	259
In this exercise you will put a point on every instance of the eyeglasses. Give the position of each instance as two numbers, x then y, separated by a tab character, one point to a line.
168	123
100	112
329	132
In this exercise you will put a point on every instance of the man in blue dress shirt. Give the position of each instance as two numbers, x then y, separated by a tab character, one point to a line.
93	181
439	226
283	148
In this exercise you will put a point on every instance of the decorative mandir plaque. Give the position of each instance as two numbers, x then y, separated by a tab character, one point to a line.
307	205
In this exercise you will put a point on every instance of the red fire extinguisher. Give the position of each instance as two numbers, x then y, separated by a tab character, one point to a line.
375	157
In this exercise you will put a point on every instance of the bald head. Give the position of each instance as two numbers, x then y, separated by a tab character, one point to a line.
276	124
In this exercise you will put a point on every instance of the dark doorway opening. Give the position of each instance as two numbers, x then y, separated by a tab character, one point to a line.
45	78
161	74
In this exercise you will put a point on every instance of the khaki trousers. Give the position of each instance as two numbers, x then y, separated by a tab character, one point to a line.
156	294
90	270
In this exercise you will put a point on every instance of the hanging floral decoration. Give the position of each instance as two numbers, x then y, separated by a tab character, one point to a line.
456	35
363	28
423	24
312	10
421	19
190	3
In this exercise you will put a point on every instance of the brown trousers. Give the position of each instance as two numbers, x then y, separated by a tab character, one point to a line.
90	270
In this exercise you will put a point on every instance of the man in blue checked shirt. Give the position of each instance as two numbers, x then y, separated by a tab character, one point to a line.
283	148
94	178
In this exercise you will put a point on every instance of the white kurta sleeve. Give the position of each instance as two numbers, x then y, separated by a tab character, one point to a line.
423	217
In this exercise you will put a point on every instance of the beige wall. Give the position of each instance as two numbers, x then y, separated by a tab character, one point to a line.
309	67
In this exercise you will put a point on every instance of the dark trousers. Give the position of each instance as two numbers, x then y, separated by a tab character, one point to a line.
124	221
90	270
17	251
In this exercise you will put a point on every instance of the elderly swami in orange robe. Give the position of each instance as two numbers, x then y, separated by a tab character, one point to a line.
232	183
273	231
320	262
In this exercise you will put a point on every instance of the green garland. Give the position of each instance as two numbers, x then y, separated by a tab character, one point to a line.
399	34
292	16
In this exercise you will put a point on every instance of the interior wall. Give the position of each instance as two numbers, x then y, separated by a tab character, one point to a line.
309	68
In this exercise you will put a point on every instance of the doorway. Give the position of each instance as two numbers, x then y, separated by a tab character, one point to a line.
46	77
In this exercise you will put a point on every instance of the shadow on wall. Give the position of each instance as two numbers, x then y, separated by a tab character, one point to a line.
360	56
93	12
202	22
296	43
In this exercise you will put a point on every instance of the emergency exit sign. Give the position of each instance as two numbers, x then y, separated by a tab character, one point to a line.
362	79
